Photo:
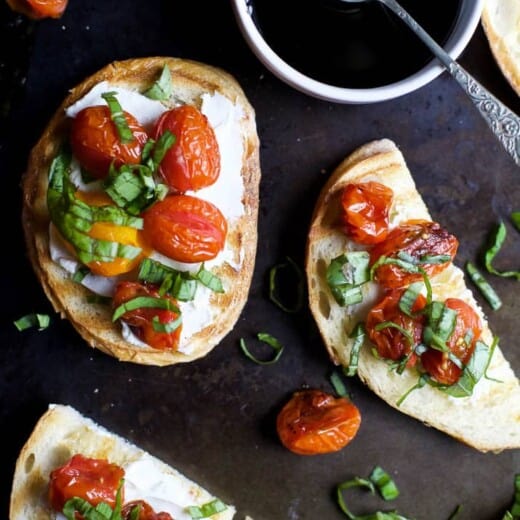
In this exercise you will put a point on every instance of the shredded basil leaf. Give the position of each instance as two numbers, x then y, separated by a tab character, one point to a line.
42	321
498	240
207	510
358	334
384	483
162	89
338	385
484	286
345	275
421	382
179	284
132	187
163	144
409	297
118	117
515	510
80	274
472	372
515	219
370	486
209	280
409	263
269	340
456	513
74	218
297	285
168	327
97	298
100	512
144	302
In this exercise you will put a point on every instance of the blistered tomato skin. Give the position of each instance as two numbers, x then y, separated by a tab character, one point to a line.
96	143
94	480
418	239
141	320
365	211
193	162
390	342
38	9
146	512
437	363
185	228
313	422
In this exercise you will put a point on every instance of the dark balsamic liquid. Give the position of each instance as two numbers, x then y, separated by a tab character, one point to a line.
352	45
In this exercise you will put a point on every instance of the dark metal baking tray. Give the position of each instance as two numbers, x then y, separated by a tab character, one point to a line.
214	419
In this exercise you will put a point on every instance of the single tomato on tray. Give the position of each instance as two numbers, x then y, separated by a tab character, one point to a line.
38	9
313	422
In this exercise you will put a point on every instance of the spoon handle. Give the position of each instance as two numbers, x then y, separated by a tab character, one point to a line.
504	123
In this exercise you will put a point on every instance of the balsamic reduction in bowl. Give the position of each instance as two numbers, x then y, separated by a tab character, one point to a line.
352	45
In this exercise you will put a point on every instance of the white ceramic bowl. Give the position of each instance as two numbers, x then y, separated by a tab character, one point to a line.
464	27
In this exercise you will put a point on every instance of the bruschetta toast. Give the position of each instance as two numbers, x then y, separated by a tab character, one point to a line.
140	208
501	22
379	307
69	458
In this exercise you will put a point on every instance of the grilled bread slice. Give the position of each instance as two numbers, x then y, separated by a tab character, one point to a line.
62	432
489	419
501	22
191	82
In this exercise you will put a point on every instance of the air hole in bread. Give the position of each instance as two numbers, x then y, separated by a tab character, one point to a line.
322	268
324	305
29	463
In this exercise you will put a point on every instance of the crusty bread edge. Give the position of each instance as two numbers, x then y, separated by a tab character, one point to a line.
500	51
191	80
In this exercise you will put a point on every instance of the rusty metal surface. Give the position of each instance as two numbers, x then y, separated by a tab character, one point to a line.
214	419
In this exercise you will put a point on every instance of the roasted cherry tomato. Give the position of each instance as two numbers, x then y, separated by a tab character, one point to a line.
366	207
193	162
96	143
93	480
185	228
390	342
146	512
38	9
314	422
437	363
417	239
141	320
113	233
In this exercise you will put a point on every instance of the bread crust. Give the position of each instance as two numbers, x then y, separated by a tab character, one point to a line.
500	19
490	419
62	432
93	321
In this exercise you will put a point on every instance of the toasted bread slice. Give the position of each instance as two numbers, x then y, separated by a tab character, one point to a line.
487	420
191	82
63	432
501	22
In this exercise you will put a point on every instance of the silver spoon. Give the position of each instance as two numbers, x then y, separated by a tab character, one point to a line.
504	123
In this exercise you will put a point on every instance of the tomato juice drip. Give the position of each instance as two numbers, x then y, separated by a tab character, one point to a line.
352	45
